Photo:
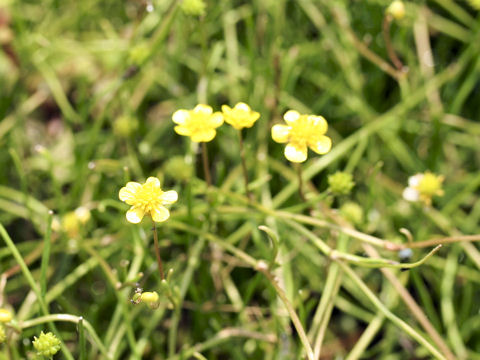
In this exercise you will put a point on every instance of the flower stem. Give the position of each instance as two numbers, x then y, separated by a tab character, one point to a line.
206	169
300	181
387	21
244	164
157	252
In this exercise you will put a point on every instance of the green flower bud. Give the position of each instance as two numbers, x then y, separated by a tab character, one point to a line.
3	335
176	167
46	344
193	7
139	53
352	212
124	126
340	183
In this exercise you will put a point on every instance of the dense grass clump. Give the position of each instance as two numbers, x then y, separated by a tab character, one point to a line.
239	180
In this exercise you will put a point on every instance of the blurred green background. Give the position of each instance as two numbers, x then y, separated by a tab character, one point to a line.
87	93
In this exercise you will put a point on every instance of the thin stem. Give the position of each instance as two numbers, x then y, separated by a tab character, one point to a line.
222	336
300	181
414	308
388	314
325	307
193	262
291	311
244	164
206	169
157	251
445	240
46	254
81	339
33	285
387	21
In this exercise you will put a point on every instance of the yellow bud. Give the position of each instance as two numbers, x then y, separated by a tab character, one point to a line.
5	316
70	224
397	10
193	7
124	126
149	297
82	214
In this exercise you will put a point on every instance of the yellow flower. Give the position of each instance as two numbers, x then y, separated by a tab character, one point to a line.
302	132
199	123
70	224
422	187
147	199
72	220
240	116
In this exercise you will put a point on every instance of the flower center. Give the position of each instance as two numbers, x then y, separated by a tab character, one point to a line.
148	197
430	184
198	121
303	131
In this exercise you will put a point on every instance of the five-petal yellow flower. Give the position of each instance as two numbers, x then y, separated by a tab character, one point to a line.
199	124
423	186
241	116
147	199
302	132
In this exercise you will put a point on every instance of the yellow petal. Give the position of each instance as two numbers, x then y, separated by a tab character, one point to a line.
160	214
182	130
322	145
215	120
320	124
226	109
291	116
155	182
180	116
296	153
254	116
236	125
204	109
169	197
242	106
280	133
128	192
135	215
204	135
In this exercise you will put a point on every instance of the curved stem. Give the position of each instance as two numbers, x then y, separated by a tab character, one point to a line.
68	318
388	314
387	21
33	285
291	311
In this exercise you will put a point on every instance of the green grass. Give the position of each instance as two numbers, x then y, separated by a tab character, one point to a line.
88	91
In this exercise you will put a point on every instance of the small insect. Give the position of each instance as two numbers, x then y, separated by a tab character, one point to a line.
136	298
